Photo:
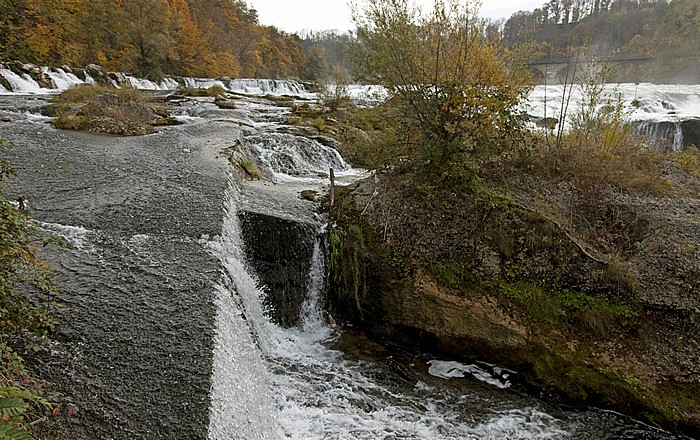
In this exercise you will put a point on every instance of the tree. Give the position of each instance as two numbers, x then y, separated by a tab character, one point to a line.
150	36
457	89
192	51
316	64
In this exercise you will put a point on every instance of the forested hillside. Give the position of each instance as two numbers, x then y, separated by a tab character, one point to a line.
666	33
152	38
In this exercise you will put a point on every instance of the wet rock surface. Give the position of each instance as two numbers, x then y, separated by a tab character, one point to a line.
280	252
134	354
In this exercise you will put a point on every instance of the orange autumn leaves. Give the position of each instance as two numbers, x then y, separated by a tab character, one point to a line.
149	37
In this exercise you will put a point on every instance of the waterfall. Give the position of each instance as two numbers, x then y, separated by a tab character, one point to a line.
60	79
312	319
289	155
21	84
664	134
251	86
241	400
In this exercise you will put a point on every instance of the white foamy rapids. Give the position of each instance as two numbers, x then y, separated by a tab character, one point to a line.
61	79
367	95
643	102
253	86
75	235
450	369
289	156
241	400
22	84
324	395
145	84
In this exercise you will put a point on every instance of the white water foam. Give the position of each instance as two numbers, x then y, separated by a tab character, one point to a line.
22	84
252	86
452	369
241	400
294	158
75	235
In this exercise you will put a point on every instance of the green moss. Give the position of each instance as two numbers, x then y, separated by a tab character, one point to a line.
567	308
251	170
348	269
459	276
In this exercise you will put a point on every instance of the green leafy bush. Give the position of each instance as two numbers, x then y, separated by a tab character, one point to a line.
26	308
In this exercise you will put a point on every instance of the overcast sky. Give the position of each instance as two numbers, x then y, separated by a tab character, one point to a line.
297	15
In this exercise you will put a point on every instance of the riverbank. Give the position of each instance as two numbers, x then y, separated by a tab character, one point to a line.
521	272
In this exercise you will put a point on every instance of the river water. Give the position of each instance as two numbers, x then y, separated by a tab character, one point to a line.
166	335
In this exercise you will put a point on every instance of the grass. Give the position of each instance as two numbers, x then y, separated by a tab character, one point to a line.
82	93
567	308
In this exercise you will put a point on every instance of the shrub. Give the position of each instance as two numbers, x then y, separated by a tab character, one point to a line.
26	304
455	86
251	170
105	110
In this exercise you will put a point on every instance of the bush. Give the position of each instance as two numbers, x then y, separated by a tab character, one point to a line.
26	305
455	86
105	110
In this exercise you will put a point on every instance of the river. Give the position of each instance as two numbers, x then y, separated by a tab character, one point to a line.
166	333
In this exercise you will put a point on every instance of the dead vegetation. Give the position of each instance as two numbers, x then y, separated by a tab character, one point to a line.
124	112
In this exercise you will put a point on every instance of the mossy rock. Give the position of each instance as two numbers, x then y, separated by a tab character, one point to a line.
308	194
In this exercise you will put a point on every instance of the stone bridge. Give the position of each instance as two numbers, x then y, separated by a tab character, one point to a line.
556	70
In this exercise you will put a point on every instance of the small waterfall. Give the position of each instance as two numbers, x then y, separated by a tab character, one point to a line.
60	79
663	134
312	319
252	86
241	400
145	84
23	83
289	155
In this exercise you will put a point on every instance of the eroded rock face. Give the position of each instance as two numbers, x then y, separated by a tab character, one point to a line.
280	252
691	132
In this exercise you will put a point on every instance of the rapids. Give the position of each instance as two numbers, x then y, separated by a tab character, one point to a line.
167	336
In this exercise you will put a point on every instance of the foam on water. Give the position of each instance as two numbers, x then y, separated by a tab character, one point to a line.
241	400
452	369
291	158
23	84
75	235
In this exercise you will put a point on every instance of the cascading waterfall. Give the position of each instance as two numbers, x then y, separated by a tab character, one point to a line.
664	134
251	86
241	402
289	155
318	392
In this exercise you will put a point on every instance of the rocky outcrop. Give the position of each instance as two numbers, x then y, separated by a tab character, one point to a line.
691	132
495	279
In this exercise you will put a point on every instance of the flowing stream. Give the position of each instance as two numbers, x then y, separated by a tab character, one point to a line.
142	214
306	387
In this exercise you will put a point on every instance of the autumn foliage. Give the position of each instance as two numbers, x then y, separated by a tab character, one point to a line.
151	38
